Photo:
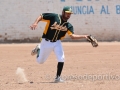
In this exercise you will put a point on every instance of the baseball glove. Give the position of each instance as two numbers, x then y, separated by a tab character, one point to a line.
93	41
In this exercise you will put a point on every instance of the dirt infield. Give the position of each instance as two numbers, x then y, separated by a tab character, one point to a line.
86	68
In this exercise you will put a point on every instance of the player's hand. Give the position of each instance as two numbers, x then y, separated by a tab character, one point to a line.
93	40
33	26
86	36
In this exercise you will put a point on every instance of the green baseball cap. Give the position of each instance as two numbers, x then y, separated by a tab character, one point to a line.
67	9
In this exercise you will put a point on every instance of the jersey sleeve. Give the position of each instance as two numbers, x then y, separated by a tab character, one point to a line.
70	30
47	16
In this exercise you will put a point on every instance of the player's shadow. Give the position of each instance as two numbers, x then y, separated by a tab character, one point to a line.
46	82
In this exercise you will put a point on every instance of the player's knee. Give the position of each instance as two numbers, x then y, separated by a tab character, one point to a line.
40	61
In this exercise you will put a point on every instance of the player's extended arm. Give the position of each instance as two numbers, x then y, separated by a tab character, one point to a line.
34	25
74	36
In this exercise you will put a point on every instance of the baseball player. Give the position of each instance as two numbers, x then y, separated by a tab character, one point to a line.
55	30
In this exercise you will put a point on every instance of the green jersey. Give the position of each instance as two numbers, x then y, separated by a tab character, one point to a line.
55	28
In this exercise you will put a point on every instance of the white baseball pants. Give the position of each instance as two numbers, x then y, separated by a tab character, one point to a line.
46	47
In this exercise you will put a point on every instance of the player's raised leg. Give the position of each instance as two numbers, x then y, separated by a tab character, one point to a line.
36	49
45	49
